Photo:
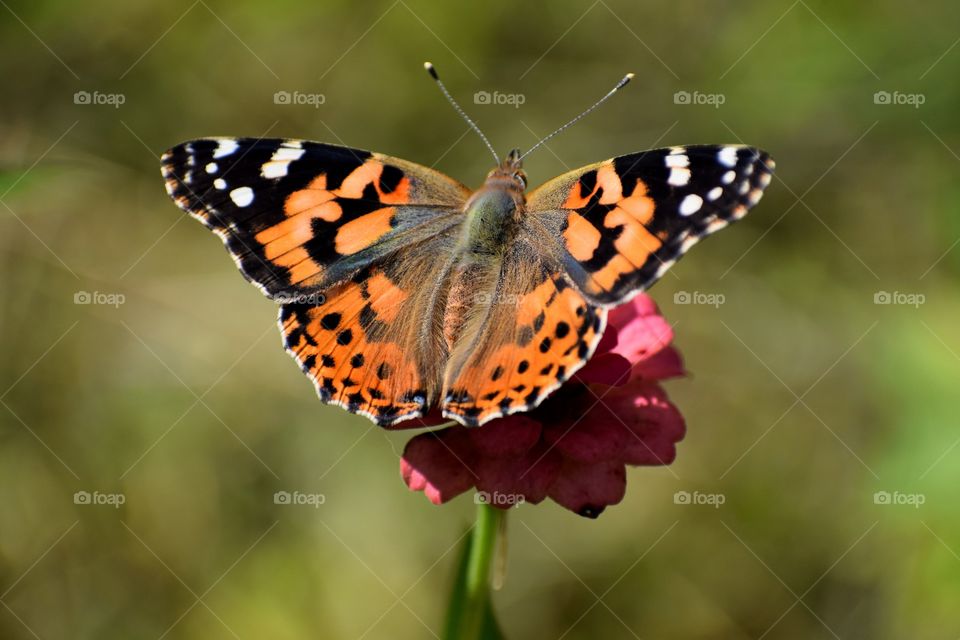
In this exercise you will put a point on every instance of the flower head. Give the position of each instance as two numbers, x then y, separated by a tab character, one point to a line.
573	448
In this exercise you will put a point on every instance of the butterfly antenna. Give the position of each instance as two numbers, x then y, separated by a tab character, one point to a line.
620	85
473	125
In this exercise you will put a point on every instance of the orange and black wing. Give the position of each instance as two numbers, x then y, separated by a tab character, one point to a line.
355	244
300	216
621	223
522	340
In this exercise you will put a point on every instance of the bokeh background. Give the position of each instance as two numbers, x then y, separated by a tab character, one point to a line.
821	333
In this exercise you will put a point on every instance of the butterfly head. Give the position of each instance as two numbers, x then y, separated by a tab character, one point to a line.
509	173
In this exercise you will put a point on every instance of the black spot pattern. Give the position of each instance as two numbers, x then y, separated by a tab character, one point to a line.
707	173
194	190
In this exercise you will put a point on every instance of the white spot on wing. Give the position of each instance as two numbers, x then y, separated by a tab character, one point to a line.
225	147
688	242
211	167
242	196
290	152
729	176
678	160
714	193
690	205
279	162
220	183
679	176
715	226
727	156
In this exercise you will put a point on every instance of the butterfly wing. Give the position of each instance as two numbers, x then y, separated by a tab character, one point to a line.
371	345
526	336
591	238
355	243
300	216
623	222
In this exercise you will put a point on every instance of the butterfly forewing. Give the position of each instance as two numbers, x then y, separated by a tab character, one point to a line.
300	216
623	222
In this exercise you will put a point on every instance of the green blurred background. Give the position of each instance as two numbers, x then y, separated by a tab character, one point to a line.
806	396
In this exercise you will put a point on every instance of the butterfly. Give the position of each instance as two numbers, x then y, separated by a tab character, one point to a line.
402	290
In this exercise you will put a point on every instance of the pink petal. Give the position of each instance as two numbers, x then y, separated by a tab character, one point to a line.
662	365
641	305
587	489
635	424
528	475
510	436
611	369
655	425
594	437
643	337
439	463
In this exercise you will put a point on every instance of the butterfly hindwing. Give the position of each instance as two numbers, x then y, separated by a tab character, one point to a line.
368	344
623	222
300	216
534	330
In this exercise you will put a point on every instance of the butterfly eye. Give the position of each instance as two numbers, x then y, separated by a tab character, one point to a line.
522	179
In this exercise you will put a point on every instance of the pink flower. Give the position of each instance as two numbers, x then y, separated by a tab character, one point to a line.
574	448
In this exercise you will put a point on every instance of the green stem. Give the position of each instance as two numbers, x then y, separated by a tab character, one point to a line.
470	616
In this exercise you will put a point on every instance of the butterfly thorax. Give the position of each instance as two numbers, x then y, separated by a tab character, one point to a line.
495	210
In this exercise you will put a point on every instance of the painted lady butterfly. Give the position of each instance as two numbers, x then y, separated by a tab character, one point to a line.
401	289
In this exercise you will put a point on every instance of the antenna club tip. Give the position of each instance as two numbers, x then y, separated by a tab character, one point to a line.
429	67
628	77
